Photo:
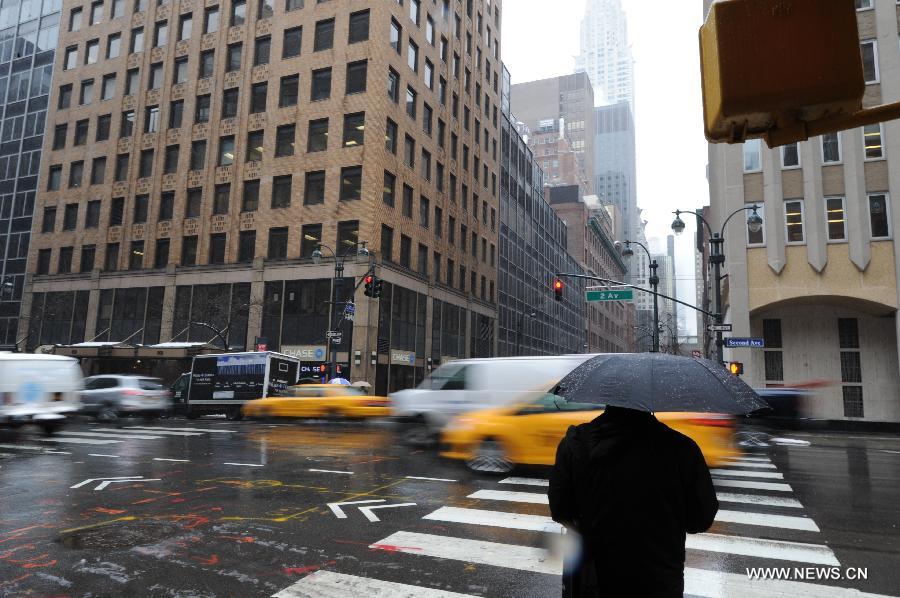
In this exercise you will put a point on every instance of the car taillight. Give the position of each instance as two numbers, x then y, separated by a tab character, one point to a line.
132	393
715	421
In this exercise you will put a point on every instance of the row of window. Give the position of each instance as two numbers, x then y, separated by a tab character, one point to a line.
830	145
878	205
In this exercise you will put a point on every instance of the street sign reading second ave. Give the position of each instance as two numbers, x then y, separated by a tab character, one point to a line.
620	295
751	343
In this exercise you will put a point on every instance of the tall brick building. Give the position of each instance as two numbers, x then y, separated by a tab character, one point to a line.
197	153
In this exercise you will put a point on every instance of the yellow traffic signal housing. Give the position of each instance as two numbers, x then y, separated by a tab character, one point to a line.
736	368
773	68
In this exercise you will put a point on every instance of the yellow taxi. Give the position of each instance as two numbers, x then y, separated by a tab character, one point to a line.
319	401
496	440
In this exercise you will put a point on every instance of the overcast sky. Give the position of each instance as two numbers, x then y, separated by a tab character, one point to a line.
541	39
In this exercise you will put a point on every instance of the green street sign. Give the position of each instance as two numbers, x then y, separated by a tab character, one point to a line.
623	295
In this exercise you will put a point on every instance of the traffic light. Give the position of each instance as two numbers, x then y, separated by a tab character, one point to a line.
736	368
558	289
377	288
369	280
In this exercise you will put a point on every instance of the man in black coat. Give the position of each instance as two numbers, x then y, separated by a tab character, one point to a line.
630	487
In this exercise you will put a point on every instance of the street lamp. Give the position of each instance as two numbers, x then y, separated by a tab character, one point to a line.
362	250
627	251
717	256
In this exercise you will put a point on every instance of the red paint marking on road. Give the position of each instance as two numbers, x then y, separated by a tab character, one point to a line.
16	580
240	539
34	558
307	569
198	520
39	565
212	560
109	511
8	553
392	548
177	500
145	501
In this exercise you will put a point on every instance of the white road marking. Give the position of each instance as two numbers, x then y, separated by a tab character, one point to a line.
412	477
791	441
153	428
511	556
777	487
109	435
24	447
525	481
327	584
80	440
816	554
526	497
717	584
330	471
758	459
772	475
101	455
753	464
757	499
891	452
130	478
768	520
58	452
246	464
339	513
173	460
535	523
103	485
157	432
367	511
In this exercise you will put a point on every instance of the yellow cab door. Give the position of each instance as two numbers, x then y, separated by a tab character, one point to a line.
540	425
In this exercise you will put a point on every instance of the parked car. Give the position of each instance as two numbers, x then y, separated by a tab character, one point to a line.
108	397
38	389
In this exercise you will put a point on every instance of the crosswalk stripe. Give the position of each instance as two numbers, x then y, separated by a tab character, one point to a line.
717	584
772	475
534	523
526	497
23	447
816	554
511	556
525	481
60	439
759	459
751	464
775	486
159	432
328	584
211	431
109	435
767	520
756	499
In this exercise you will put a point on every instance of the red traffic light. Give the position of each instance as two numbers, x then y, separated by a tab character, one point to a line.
369	279
558	289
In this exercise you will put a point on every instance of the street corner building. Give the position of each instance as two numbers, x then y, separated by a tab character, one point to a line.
197	154
819	283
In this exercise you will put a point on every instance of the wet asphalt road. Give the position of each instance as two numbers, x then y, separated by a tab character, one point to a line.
217	508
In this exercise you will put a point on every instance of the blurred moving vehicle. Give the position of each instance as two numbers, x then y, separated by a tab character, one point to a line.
38	389
109	397
528	433
179	390
472	384
318	401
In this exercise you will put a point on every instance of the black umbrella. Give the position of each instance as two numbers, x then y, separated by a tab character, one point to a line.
658	383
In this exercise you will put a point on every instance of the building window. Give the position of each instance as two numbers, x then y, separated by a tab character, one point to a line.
155	80
278	243
793	216
424	211
233	55
198	154
281	191
161	255
161	34
104	123
266	9
752	155
193	203
141	209
422	260
92	51
289	91
185	25
790	156
137	40
87	92
836	218
250	199
166	206
317	139
387	243
863	4
76	173
145	164
390	137
879	216
262	49
873	142
851	366
412	55
405	252
869	49
351	183
121	170
356	77
88	258
409	152
111	261
226	150
132	78
359	27
390	188
246	245
324	35
180	72
238	12
347	236
293	38
202	109
396	36
217	248
98	171
411	101
407	208
65	96
189	250
230	103
49	222
831	148
221	198
211	19
310	238
151	119
321	85
354	129
255	140
314	190
136	256
71	58
853	401
43	262
258	95
207	64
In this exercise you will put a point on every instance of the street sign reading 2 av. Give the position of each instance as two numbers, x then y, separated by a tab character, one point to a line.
620	295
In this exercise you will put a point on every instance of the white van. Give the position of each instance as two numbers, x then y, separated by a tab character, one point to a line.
472	384
38	389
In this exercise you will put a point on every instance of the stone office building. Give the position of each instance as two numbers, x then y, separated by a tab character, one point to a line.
199	152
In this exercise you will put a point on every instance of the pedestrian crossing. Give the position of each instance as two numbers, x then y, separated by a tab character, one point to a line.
761	525
110	437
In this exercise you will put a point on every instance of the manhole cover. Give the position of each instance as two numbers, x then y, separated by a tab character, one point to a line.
119	536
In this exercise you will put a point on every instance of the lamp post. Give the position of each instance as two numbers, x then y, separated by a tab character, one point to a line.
317	256
717	256
627	251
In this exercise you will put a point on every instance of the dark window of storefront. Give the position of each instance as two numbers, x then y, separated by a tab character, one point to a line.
57	318
225	307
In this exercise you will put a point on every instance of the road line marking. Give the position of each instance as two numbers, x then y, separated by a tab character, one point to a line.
887	451
757	499
816	554
791	442
753	485
718	584
58	452
339	585
511	556
768	520
526	497
246	464
80	440
24	447
173	460
132	478
412	477
339	513
109	435
102	455
525	481
753	464
181	429
534	523
772	475
157	432
750	458
330	471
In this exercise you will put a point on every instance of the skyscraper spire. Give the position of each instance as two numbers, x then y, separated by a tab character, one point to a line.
605	53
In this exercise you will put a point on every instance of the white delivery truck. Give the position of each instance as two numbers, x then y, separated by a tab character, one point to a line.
38	389
223	383
472	384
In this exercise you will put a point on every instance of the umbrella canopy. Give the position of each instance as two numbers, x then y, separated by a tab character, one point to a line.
343	381
658	383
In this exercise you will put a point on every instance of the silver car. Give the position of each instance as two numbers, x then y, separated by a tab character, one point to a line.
108	397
